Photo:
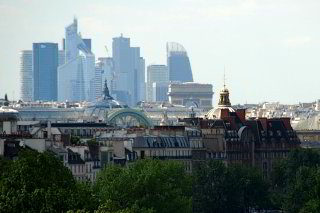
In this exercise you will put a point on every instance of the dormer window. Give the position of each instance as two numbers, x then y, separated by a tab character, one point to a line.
270	133
279	133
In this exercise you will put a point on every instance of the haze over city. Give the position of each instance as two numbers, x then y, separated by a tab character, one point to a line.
171	106
269	48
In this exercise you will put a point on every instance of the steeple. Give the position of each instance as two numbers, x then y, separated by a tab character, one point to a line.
224	77
224	100
106	92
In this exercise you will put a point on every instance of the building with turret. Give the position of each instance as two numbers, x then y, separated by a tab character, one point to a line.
230	137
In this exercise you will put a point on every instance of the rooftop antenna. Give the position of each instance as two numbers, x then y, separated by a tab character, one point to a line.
224	77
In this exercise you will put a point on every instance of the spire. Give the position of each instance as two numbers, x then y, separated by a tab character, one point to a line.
224	93
106	91
224	76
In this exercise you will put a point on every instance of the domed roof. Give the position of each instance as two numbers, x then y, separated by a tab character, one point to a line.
8	114
107	103
224	90
224	103
215	113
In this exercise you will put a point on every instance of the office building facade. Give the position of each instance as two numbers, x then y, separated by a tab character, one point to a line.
45	64
141	81
61	57
178	63
76	77
26	75
160	91
128	70
156	74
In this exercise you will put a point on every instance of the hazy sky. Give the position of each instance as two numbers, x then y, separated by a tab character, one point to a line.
270	48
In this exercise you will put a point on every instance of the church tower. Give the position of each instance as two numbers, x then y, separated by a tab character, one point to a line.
224	100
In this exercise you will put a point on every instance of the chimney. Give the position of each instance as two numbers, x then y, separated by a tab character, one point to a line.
264	123
49	129
232	122
241	113
286	122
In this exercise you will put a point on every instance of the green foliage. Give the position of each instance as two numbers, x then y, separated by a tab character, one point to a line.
296	182
106	208
38	182
85	196
147	185
4	165
92	142
75	140
218	188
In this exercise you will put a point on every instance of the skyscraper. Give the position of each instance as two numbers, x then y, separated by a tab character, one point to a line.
26	75
61	57
76	77
160	91
141	81
104	72
45	63
156	73
178	63
129	71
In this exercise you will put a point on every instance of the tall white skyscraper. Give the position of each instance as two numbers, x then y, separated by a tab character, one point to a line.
156	74
76	77
26	75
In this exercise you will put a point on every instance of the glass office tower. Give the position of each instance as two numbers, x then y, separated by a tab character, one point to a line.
178	63
45	64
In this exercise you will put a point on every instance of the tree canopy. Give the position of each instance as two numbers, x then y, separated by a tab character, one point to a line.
150	185
218	188
296	182
38	182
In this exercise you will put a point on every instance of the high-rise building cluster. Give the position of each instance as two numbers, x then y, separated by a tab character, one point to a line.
73	73
77	75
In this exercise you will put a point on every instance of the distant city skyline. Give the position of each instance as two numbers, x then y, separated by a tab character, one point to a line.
270	48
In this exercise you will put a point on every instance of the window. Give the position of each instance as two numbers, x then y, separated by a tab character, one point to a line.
142	154
45	134
265	166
